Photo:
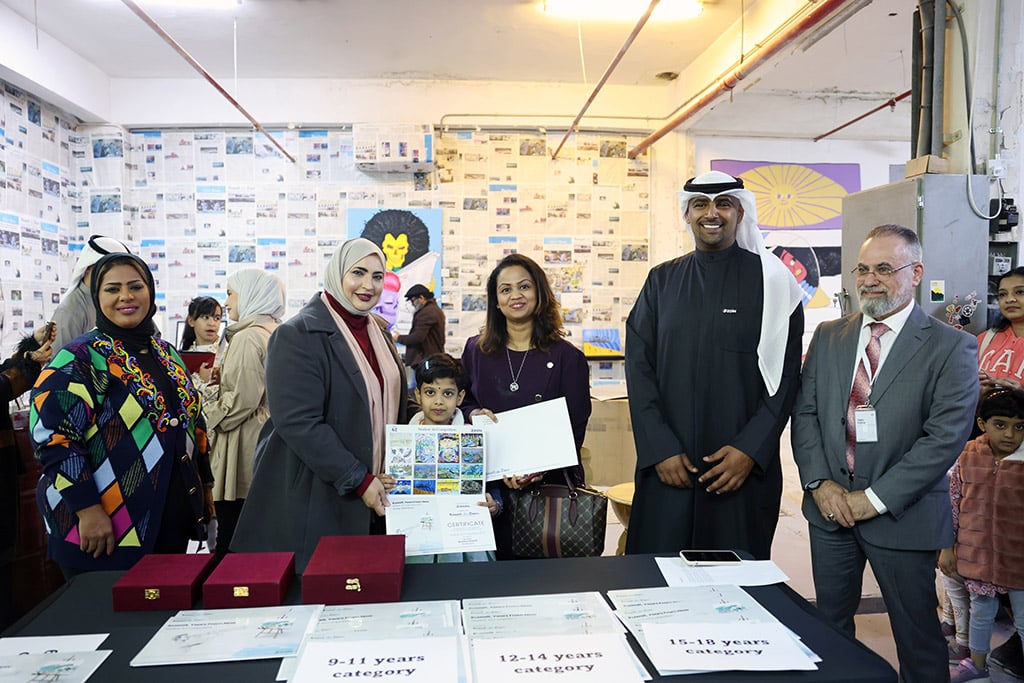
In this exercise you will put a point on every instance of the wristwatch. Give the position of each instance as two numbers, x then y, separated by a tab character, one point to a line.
813	485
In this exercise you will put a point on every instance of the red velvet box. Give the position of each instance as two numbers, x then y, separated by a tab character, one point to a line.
346	570
159	582
249	580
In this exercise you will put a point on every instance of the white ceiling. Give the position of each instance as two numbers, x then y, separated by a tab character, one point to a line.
859	65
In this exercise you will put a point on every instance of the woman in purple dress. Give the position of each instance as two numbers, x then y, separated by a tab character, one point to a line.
521	358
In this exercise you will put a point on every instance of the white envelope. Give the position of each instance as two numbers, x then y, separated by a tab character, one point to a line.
535	438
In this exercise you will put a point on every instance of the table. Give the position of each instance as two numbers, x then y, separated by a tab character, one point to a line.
84	606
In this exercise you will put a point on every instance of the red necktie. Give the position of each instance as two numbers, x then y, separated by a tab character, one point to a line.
862	389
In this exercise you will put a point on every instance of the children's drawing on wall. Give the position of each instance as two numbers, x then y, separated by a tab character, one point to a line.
390	299
808	264
411	241
799	209
960	312
601	342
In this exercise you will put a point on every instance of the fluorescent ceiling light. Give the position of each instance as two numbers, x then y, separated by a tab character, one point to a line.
192	4
620	10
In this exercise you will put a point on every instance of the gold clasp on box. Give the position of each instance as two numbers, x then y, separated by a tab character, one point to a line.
151	593
240	591
353	585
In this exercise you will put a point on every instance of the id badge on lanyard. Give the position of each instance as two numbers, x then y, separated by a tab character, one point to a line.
866	424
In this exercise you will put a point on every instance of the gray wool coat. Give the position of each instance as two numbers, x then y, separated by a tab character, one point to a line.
317	447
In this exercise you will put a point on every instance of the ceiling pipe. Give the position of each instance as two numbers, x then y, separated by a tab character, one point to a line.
938	78
607	74
205	74
916	64
891	103
730	80
926	15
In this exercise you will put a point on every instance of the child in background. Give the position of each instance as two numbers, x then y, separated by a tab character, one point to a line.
440	388
985	488
202	333
955	605
202	326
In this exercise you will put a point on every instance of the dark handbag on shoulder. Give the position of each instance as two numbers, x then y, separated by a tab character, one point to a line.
558	520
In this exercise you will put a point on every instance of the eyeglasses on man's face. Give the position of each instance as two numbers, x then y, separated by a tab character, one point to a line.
882	271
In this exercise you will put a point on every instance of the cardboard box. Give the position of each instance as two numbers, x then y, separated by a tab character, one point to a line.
249	580
347	570
926	164
159	582
610	442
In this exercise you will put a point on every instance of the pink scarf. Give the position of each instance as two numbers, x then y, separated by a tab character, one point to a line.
383	407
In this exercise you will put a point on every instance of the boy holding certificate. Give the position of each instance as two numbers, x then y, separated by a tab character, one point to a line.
440	388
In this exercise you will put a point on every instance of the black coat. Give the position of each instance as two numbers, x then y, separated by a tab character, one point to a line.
317	447
694	387
17	375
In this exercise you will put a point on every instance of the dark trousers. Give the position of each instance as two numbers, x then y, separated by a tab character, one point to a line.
907	581
228	512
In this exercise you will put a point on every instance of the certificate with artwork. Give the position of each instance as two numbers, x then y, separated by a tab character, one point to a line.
228	635
435	504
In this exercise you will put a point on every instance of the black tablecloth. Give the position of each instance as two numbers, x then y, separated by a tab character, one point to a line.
84	606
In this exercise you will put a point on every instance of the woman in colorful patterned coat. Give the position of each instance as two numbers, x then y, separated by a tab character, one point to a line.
116	425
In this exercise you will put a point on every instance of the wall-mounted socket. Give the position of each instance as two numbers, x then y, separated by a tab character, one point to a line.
996	168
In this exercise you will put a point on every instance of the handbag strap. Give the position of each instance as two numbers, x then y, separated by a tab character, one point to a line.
573	507
539	503
568	481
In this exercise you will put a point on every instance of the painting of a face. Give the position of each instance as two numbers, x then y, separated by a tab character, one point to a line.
396	249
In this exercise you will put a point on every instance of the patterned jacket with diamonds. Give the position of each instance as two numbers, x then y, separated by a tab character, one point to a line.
104	433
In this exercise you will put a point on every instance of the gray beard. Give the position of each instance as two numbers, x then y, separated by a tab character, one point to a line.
878	308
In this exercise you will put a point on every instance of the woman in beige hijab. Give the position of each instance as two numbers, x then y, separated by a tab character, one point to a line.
334	380
236	407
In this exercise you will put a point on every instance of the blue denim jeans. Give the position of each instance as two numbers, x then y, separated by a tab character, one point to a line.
983	615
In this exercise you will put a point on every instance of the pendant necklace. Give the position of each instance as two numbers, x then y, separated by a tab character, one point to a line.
514	386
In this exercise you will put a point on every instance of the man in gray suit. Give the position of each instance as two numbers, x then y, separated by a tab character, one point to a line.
885	406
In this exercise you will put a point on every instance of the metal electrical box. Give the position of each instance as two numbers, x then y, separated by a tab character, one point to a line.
954	240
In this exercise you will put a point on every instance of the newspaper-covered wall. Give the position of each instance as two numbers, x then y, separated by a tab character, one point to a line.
200	204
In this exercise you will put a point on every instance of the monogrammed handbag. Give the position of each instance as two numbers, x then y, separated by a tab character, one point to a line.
558	520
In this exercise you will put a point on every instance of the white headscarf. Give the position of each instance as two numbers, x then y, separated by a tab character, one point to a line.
782	294
259	292
93	250
344	257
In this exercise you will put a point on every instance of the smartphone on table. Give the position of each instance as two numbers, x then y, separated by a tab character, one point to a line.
709	557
